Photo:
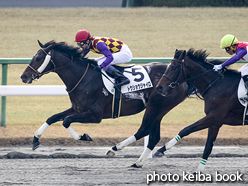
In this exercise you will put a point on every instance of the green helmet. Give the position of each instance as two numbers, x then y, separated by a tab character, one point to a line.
228	40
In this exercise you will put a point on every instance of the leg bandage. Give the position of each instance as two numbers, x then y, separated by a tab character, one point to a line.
40	131
172	142
125	143
143	157
75	135
202	165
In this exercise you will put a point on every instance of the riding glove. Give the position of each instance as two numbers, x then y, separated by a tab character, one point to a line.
217	67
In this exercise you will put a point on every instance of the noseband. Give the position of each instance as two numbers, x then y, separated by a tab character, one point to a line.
39	72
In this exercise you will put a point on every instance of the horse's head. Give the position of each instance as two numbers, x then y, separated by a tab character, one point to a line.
172	75
38	64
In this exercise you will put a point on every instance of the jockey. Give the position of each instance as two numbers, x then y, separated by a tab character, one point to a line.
114	51
232	46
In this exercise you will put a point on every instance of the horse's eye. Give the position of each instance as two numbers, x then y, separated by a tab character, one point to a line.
173	67
38	59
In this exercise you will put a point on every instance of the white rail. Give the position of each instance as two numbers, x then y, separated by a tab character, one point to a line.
33	90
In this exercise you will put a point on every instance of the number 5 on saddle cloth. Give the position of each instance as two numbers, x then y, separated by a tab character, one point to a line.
139	80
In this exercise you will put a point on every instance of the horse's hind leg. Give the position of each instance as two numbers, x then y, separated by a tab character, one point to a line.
51	120
121	145
129	140
89	116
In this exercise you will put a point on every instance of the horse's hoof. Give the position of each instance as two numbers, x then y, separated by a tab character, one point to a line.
86	137
110	153
158	154
136	166
36	143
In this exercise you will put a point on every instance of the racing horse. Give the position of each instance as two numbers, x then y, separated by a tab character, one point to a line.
219	91
90	101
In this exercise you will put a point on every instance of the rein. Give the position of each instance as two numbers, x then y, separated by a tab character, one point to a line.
173	84
70	91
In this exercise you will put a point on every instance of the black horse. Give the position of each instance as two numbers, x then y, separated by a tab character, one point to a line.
219	91
90	102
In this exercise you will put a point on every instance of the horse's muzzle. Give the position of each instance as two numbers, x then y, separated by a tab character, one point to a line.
161	90
165	91
26	79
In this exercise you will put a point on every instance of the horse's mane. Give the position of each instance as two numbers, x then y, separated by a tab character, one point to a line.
70	50
200	56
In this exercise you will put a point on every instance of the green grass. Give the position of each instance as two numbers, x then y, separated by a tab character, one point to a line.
149	32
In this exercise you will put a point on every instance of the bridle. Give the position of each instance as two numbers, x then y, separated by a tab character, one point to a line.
180	72
38	73
177	75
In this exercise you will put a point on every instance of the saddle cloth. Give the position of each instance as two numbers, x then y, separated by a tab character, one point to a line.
242	93
138	76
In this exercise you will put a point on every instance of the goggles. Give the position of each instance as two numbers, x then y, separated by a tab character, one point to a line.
81	43
227	49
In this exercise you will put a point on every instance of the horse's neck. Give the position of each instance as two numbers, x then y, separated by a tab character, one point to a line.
70	71
202	79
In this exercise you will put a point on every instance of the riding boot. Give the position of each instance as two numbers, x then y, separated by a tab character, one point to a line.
245	78
120	79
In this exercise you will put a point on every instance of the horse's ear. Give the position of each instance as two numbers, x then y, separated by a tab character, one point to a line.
41	45
182	56
49	47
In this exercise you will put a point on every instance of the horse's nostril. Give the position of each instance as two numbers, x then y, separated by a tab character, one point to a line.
159	88
23	76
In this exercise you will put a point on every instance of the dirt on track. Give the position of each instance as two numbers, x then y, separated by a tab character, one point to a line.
88	166
103	135
10	142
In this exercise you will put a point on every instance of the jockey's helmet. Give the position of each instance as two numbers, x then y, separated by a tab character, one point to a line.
228	40
82	35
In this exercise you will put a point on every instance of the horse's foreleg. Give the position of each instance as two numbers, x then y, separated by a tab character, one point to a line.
212	135
204	123
154	138
167	146
51	120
